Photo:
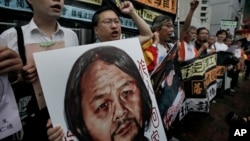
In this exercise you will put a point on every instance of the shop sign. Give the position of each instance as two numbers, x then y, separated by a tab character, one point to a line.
96	2
149	15
228	24
69	12
163	5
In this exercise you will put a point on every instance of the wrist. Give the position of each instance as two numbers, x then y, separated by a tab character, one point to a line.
154	45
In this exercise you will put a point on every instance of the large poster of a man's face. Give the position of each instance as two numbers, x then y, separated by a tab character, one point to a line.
103	92
106	94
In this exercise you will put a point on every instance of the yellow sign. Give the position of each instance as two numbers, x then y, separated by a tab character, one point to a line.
220	70
96	2
163	5
210	77
149	15
197	88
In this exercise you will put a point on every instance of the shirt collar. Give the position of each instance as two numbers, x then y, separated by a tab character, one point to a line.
33	27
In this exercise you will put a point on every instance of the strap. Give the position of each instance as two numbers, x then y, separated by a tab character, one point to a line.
20	43
214	46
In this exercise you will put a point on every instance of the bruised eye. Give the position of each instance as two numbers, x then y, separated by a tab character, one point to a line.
103	106
127	93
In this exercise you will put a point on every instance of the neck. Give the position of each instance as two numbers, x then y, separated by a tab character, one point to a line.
47	25
220	41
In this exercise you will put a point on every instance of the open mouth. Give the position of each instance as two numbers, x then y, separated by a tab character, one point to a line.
115	34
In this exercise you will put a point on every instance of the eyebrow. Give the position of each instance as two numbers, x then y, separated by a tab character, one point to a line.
100	96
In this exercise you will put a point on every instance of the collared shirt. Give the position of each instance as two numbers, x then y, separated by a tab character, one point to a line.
32	34
219	46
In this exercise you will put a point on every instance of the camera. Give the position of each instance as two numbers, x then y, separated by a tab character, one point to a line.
236	124
234	120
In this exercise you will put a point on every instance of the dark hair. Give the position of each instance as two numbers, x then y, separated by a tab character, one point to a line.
96	16
200	29
30	6
159	20
73	96
220	32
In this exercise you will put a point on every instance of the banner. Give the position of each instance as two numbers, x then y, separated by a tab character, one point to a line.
106	85
199	78
10	121
222	57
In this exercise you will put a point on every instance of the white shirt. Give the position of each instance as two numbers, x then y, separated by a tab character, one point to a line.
162	52
189	50
219	46
32	34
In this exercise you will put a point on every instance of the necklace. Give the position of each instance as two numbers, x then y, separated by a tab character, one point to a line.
46	45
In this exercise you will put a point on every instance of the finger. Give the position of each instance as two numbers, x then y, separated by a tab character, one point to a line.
60	138
10	65
55	134
30	78
49	123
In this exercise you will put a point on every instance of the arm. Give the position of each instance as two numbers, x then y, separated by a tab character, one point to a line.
145	32
193	6
9	61
203	47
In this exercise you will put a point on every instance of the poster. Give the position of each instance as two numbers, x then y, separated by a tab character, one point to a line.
100	102
10	121
167	87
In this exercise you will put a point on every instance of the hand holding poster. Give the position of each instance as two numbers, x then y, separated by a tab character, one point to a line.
107	91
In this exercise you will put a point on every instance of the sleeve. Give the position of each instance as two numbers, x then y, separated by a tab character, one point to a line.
150	55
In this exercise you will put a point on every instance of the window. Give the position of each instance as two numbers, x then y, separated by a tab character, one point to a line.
203	14
203	8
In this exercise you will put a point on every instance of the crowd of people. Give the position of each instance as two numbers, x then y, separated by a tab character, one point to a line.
44	31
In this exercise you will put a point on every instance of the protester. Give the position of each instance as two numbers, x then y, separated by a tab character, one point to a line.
162	27
42	33
219	45
107	24
211	41
201	38
187	50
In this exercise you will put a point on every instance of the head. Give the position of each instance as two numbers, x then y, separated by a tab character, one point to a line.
202	34
46	8
106	94
163	24
228	41
239	43
107	24
221	35
191	33
211	39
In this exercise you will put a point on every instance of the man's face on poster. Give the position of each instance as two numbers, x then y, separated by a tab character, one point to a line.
111	103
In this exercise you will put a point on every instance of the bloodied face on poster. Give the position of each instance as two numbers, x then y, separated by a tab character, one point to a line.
106	94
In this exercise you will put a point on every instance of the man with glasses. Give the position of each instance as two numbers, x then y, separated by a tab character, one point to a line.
107	24
163	29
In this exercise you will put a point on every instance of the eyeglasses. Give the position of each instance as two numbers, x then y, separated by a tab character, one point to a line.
168	25
110	21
